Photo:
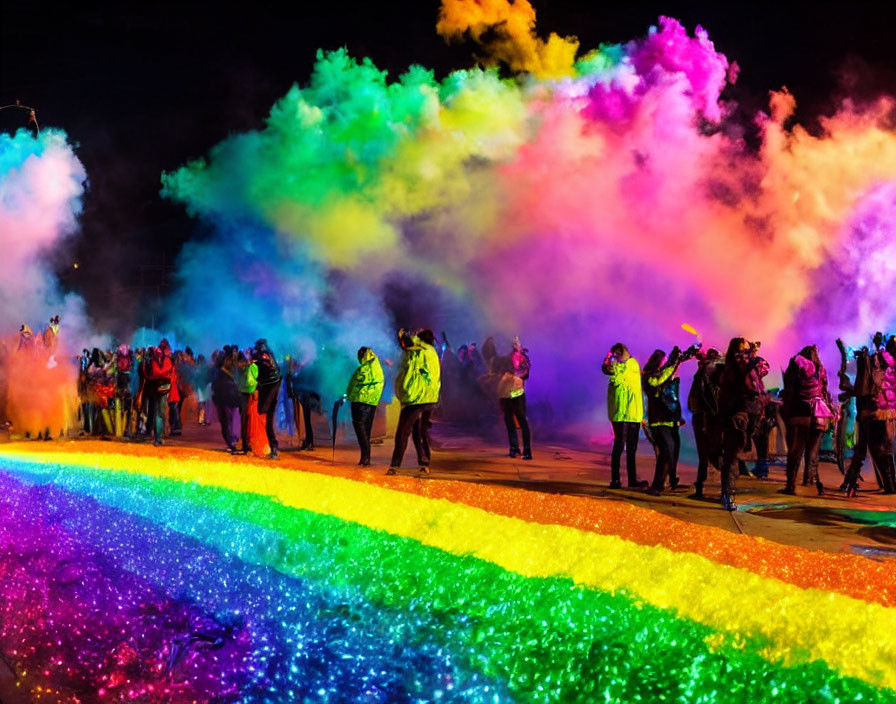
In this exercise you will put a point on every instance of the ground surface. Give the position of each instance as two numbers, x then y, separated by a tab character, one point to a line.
805	520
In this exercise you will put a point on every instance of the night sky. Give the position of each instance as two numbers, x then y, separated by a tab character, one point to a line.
142	88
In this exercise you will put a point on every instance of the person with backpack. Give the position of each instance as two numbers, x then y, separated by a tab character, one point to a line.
514	372
808	410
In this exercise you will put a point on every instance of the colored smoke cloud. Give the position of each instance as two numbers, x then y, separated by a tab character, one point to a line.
612	197
41	187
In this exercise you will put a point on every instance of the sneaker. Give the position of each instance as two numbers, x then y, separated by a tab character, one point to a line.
639	484
392	471
513	453
527	455
274	455
231	449
424	469
615	484
728	503
156	443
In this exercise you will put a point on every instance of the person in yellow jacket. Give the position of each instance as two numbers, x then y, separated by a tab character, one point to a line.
364	391
625	406
417	386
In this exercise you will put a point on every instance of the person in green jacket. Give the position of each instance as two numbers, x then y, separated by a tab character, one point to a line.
625	406
364	391
417	386
247	374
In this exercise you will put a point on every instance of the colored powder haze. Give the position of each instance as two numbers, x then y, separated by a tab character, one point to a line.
583	201
573	197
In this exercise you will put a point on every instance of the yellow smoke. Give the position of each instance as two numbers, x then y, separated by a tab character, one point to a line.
507	30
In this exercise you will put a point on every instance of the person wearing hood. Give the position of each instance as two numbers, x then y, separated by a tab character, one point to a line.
269	381
808	410
159	373
417	387
364	391
625	406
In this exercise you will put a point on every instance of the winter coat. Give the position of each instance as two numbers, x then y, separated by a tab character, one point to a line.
663	400
268	370
624	400
704	395
158	372
225	391
419	378
249	379
806	390
366	384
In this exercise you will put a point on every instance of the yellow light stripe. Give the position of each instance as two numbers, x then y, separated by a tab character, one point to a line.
855	637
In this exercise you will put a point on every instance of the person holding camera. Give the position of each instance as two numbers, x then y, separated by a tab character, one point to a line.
875	392
625	407
661	384
742	400
417	387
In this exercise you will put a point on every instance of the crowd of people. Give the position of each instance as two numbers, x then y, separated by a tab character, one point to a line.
733	414
140	393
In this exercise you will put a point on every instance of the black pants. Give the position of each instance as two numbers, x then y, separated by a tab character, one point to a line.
515	412
244	420
267	406
668	443
156	414
305	400
362	420
414	420
803	445
708	439
873	437
625	437
225	415
174	423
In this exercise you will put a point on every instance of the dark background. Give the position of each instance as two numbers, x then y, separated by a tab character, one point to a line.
142	89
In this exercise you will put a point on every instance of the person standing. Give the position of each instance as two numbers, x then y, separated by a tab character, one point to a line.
514	372
417	387
226	396
808	410
625	407
364	391
703	403
269	380
742	398
664	416
875	392
158	373
248	384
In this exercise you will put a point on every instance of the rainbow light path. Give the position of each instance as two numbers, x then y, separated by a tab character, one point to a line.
184	577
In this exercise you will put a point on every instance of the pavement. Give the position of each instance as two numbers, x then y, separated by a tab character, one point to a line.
832	523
